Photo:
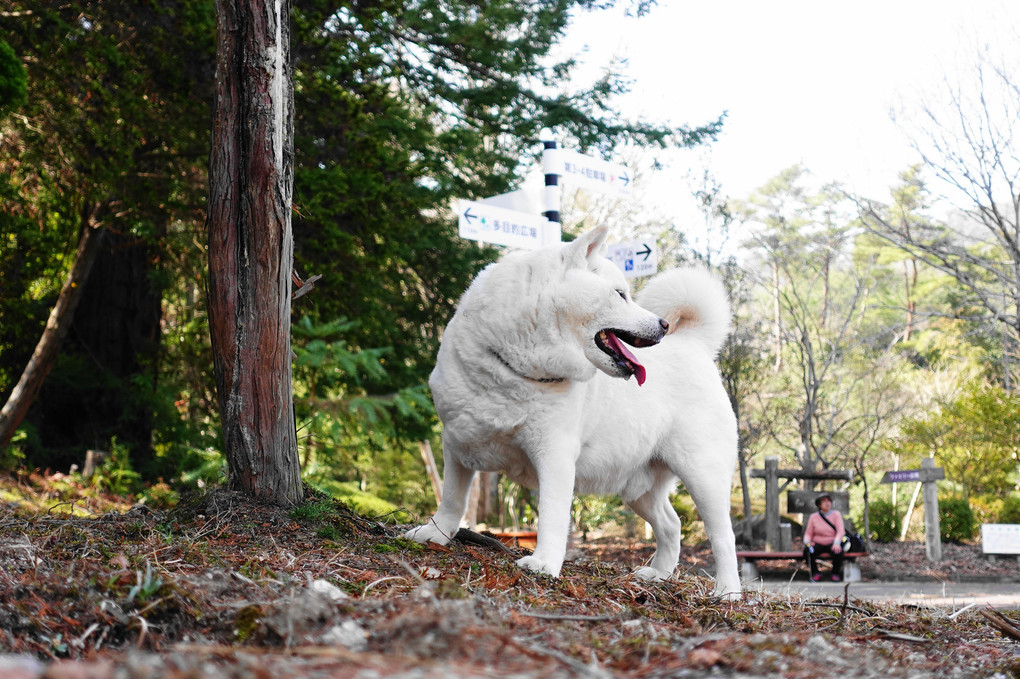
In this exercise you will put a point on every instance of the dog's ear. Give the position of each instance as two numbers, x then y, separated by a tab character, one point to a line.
583	251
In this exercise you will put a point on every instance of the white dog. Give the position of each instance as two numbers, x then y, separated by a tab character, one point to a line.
528	382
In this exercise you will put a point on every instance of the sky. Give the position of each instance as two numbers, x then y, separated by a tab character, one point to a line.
802	82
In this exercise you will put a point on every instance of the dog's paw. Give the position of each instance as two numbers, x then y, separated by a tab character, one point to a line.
536	565
429	532
727	592
649	574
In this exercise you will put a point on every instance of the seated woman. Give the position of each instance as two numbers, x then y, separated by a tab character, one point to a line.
823	534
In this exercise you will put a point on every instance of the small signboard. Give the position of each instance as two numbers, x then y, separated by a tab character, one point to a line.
803	501
914	475
1000	538
590	173
635	258
491	224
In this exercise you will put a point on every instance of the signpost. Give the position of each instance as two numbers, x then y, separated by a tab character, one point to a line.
927	475
909	475
591	173
635	258
513	218
491	224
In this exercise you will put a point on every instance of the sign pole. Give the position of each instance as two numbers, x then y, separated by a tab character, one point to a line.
772	503
553	192
926	478
933	538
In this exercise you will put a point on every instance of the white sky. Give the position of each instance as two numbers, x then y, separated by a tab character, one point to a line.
808	82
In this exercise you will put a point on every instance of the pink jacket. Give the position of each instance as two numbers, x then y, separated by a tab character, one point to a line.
818	532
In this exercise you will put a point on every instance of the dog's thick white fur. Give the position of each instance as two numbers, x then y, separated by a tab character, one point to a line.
524	386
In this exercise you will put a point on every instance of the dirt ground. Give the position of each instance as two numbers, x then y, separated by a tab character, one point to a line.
219	587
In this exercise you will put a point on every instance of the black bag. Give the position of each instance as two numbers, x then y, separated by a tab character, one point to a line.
852	542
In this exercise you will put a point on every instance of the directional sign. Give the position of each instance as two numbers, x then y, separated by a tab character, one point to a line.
635	258
491	224
590	173
911	475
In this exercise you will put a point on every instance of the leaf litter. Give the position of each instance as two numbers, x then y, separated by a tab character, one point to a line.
223	587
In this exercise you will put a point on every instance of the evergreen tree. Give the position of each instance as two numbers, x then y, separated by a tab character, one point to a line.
109	139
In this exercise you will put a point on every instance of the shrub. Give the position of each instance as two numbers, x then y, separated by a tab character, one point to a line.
884	521
689	517
956	519
1010	512
987	508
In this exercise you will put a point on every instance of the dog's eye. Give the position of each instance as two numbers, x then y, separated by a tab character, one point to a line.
622	294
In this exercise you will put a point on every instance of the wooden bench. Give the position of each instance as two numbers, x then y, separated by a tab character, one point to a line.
749	563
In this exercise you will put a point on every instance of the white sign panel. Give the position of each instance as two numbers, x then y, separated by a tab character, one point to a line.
591	173
1000	538
491	224
635	258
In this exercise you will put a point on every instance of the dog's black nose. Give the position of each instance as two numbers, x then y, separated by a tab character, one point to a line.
664	324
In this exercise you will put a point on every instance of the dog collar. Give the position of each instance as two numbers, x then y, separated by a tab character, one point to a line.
544	380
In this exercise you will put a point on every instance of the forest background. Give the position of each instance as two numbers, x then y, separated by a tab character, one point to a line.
868	335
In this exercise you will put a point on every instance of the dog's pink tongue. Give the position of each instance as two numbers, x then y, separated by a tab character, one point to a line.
621	348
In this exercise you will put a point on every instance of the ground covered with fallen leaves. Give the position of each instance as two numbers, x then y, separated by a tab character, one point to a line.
221	587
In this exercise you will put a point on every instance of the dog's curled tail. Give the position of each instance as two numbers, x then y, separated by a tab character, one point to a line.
693	300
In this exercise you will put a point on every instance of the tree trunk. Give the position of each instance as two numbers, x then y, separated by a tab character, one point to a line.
24	393
777	328
251	248
745	492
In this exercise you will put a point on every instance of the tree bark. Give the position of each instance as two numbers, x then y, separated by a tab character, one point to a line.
27	388
251	247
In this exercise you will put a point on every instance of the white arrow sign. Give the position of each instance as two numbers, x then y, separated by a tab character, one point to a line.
635	258
490	224
590	173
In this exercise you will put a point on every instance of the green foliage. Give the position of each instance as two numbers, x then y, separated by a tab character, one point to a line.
350	437
688	514
834	379
956	519
113	135
399	545
593	511
986	508
1010	511
115	474
975	437
146	586
885	521
313	510
362	502
13	80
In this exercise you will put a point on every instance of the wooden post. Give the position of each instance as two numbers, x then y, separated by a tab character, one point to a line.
772	503
932	536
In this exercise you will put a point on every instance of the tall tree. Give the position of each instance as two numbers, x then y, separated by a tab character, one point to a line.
251	247
967	143
813	406
109	137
